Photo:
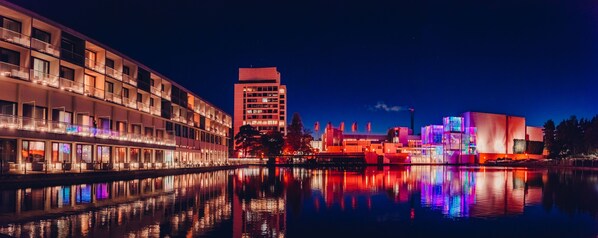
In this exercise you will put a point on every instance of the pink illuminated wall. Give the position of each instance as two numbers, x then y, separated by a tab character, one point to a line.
495	132
535	133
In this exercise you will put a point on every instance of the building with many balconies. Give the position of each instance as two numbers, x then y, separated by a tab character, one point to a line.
260	100
69	103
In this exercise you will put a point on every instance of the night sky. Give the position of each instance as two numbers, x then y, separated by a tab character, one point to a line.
339	59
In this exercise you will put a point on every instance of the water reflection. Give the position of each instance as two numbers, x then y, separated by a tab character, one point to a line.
269	202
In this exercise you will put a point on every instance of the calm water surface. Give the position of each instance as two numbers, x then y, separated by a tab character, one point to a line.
294	202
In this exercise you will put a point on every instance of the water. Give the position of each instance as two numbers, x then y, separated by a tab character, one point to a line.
422	201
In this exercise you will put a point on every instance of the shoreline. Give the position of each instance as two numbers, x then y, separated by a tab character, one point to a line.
42	180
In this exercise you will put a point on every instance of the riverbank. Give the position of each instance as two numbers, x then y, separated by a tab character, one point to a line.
40	180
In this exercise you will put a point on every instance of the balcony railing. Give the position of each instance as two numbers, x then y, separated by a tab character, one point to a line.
72	86
166	95
92	64
155	111
14	37
44	78
156	91
112	97
94	92
13	71
130	102
42	125
143	106
114	73
129	79
45	47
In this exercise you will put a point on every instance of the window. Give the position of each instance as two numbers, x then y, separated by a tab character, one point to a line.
10	24
152	81
60	115
41	35
84	154
109	63
109	87
10	56
104	154
126	70
61	153
134	155
139	97
8	108
91	56
67	73
32	111
90	83
41	68
136	129
34	151
151	102
126	92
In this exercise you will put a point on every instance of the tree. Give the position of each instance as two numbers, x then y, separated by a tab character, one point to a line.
272	143
298	138
549	139
247	140
569	137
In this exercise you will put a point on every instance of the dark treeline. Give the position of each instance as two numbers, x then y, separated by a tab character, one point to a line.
571	137
250	142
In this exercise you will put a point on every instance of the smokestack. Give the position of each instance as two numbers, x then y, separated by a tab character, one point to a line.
412	111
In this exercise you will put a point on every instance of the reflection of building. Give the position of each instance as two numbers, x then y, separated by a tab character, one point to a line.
260	100
454	192
259	212
69	103
119	208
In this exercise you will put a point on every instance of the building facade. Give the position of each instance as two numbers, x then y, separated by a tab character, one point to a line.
69	103
260	100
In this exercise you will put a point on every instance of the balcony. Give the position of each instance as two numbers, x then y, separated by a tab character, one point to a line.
94	92
156	91
14	37
45	47
114	73
129	102
166	95
71	86
13	71
94	65
44	78
115	98
42	125
155	111
143	106
129	79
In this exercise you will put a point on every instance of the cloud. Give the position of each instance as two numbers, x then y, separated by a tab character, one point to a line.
383	107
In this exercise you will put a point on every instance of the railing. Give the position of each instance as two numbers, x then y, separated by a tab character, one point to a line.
92	64
166	95
113	97
44	47
44	78
72	86
14	37
156	91
132	103
155	111
94	92
143	106
13	71
129	79
42	125
114	73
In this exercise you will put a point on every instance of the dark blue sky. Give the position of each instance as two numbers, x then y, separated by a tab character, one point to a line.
537	59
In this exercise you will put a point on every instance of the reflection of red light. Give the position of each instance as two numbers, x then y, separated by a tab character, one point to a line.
353	202
412	215
317	204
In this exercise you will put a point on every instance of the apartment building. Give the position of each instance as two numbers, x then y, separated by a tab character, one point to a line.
70	103
260	100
